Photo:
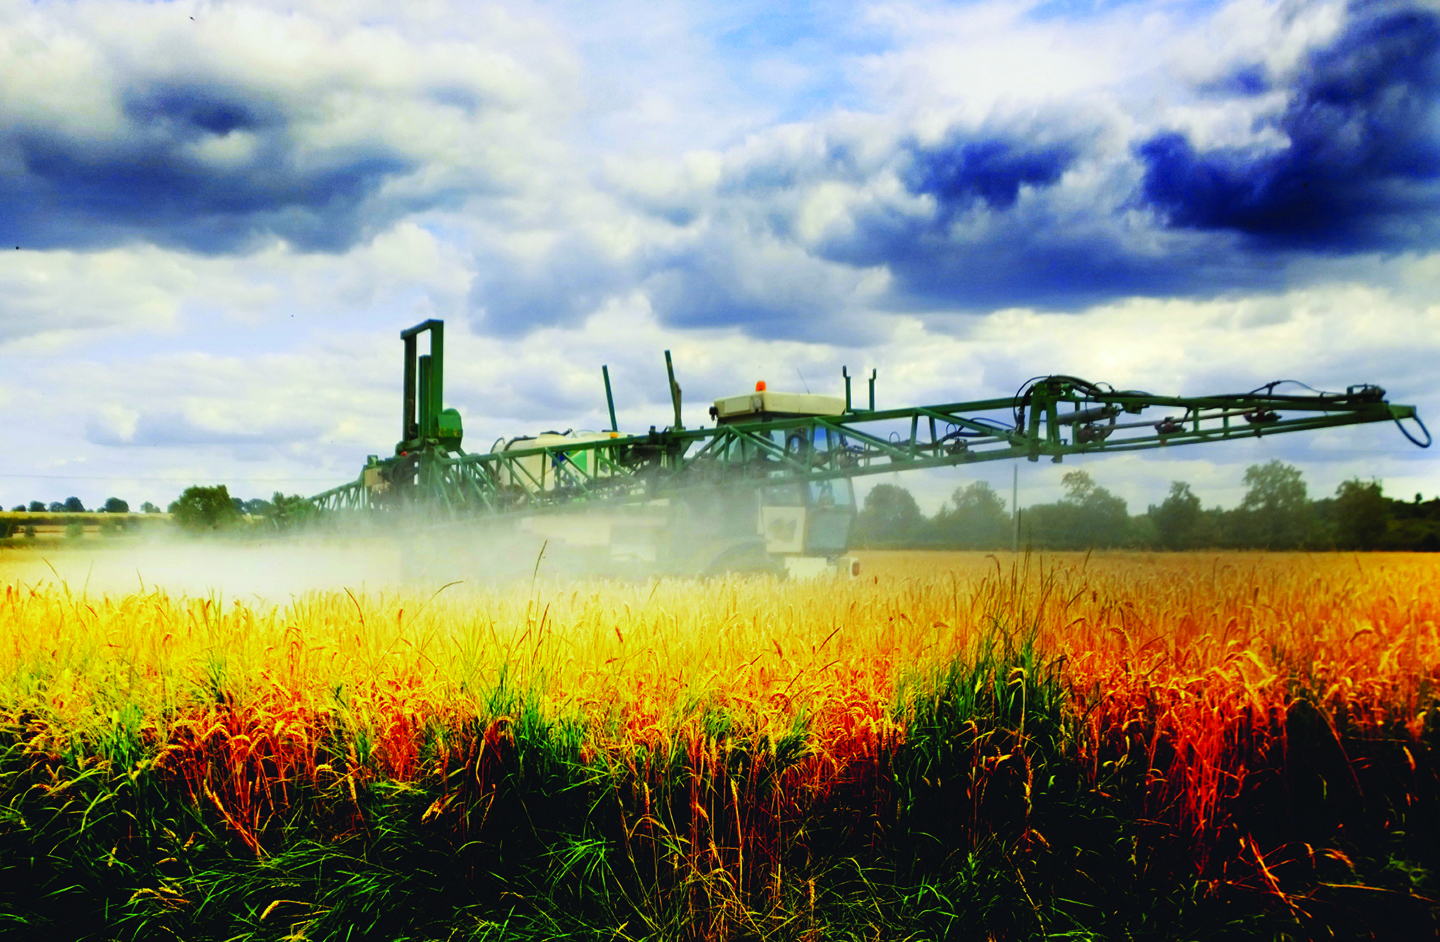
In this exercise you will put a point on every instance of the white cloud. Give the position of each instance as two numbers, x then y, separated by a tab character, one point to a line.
595	185
50	297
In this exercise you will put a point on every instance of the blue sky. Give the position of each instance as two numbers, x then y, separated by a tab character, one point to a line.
225	213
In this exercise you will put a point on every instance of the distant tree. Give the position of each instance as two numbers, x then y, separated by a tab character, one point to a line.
975	518
29	531
258	507
1275	513
1179	519
114	505
19	509
149	508
890	516
1361	514
56	507
1140	532
1413	525
1091	516
204	508
37	506
286	511
74	506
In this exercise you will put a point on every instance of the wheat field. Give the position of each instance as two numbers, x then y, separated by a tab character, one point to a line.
950	746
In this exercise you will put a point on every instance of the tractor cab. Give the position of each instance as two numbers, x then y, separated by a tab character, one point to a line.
807	521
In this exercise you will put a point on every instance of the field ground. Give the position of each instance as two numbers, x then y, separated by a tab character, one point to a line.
952	746
21	529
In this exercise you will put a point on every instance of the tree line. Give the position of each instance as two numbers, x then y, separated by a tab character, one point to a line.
73	505
197	509
1276	514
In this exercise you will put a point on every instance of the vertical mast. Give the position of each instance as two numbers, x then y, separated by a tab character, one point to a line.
408	429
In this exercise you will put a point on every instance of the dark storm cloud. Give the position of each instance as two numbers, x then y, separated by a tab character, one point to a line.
973	243
711	285
972	180
1363	156
187	114
980	248
155	182
1015	266
961	173
1003	261
1245	81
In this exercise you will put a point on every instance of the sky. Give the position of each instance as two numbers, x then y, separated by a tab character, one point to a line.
223	213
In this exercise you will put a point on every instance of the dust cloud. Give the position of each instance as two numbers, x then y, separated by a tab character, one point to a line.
269	570
369	558
639	542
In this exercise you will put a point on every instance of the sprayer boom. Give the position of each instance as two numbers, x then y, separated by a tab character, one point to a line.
800	445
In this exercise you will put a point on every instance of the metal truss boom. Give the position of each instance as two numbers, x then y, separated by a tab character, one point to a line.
1051	416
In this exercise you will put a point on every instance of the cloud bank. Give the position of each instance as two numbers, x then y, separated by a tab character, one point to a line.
224	133
225	212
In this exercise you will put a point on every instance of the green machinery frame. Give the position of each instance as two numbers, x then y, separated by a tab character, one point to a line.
1051	416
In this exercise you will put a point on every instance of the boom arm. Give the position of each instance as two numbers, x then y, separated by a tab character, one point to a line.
1051	416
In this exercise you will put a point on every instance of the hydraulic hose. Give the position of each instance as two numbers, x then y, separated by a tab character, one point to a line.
1406	432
